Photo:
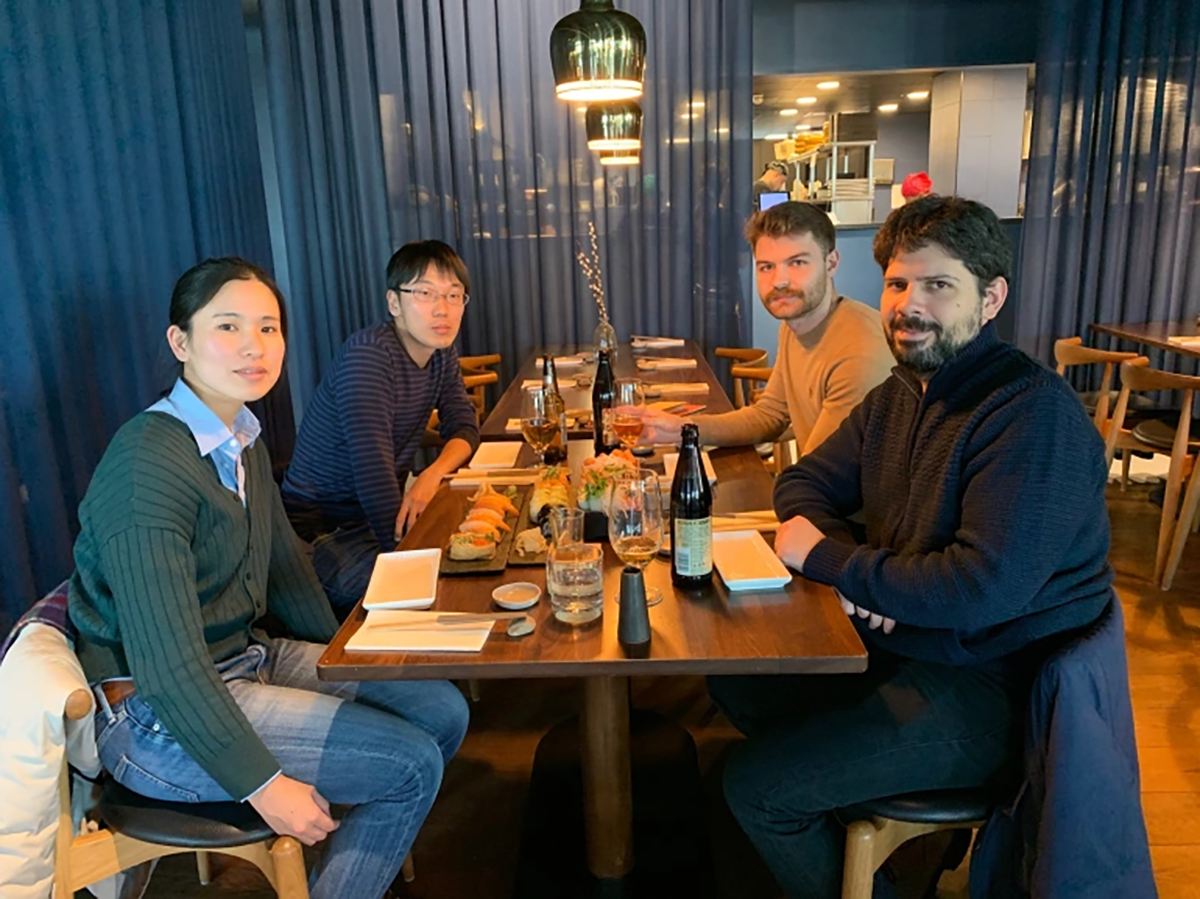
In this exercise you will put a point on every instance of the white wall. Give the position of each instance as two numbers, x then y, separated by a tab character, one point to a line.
991	131
945	109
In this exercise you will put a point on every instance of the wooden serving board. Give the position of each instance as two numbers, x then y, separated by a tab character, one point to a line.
453	567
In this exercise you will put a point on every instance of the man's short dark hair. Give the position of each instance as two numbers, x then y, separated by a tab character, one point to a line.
792	218
410	262
964	229
775	166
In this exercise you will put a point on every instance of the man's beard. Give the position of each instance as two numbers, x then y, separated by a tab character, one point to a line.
930	356
809	300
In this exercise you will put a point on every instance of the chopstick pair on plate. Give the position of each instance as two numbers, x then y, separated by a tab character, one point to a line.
454	618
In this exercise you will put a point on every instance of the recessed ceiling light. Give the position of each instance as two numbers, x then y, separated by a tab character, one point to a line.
804	127
788	111
918	95
806	101
689	115
889	107
697	104
829	85
722	131
775	137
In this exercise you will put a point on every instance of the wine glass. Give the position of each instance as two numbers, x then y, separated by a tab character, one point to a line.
538	425
628	426
635	522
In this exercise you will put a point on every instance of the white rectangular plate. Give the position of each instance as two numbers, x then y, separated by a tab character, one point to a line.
404	580
746	562
670	460
376	634
498	454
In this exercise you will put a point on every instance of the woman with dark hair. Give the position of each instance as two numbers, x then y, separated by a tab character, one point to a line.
184	547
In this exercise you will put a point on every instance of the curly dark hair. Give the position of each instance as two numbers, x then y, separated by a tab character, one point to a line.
965	229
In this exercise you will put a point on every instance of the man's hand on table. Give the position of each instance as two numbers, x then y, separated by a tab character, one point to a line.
874	619
795	539
294	809
658	426
416	498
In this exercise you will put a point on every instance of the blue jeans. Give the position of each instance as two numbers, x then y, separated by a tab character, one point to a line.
815	744
344	560
378	747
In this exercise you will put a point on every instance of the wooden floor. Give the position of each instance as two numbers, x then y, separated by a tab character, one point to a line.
469	845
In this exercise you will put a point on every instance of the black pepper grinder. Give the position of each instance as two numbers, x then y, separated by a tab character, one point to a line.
633	624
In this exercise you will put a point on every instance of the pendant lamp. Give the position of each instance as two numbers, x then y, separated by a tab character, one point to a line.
614	126
598	53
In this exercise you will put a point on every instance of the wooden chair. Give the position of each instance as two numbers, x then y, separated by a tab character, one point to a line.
137	830
750	375
477	374
875	829
1157	436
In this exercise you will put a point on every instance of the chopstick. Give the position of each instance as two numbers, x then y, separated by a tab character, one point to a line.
490	473
766	514
463	618
743	524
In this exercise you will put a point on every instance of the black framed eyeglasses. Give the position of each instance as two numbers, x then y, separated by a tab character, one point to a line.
427	297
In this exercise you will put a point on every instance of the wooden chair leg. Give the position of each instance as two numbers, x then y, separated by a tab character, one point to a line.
408	870
858	876
473	688
1191	506
1126	461
204	868
291	880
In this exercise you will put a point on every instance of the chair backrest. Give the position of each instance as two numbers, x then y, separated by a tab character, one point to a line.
476	376
751	362
1137	376
1070	351
750	375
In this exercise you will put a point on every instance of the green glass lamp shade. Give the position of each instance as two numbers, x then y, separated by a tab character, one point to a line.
620	157
598	53
614	126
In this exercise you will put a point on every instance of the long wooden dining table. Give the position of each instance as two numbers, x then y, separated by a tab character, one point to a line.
800	629
1156	334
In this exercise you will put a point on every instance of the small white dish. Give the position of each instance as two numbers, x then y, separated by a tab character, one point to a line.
515	597
404	580
496	454
670	460
746	562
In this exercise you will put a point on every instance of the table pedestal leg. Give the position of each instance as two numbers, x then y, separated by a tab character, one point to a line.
607	784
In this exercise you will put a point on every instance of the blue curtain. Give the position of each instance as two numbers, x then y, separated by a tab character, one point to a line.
127	154
401	119
1111	224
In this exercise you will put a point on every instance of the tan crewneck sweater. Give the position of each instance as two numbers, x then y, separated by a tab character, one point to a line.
817	380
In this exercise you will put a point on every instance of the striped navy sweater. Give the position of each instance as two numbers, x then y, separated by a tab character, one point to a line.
362	429
986	526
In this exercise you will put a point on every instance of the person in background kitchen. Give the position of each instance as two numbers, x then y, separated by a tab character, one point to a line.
344	489
772	180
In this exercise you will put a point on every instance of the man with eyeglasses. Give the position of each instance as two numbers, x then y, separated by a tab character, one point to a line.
344	490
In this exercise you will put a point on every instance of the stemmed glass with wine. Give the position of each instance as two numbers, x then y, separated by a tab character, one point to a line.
635	523
539	426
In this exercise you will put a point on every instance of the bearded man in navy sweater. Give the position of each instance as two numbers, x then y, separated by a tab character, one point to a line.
344	489
980	480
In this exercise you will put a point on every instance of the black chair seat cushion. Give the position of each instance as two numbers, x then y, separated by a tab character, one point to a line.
1140	408
208	825
1161	434
933	807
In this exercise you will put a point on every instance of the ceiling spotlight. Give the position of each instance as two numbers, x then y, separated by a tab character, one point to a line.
806	101
918	95
788	111
828	85
775	137
804	127
689	115
697	104
722	130
889	107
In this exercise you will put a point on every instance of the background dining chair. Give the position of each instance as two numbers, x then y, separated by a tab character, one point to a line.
477	374
750	373
1158	436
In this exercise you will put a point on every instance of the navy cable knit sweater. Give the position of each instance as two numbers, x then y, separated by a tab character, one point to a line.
986	526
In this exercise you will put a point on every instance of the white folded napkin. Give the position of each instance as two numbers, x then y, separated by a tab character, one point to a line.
570	361
663	364
500	454
641	342
563	383
1185	339
668	389
379	634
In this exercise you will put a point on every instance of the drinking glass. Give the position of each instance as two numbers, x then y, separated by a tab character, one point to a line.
635	523
574	570
538	425
628	426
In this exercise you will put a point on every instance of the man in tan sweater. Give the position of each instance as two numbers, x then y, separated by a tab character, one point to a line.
832	350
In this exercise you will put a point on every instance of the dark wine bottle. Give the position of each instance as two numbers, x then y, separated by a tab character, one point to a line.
556	411
604	395
691	516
